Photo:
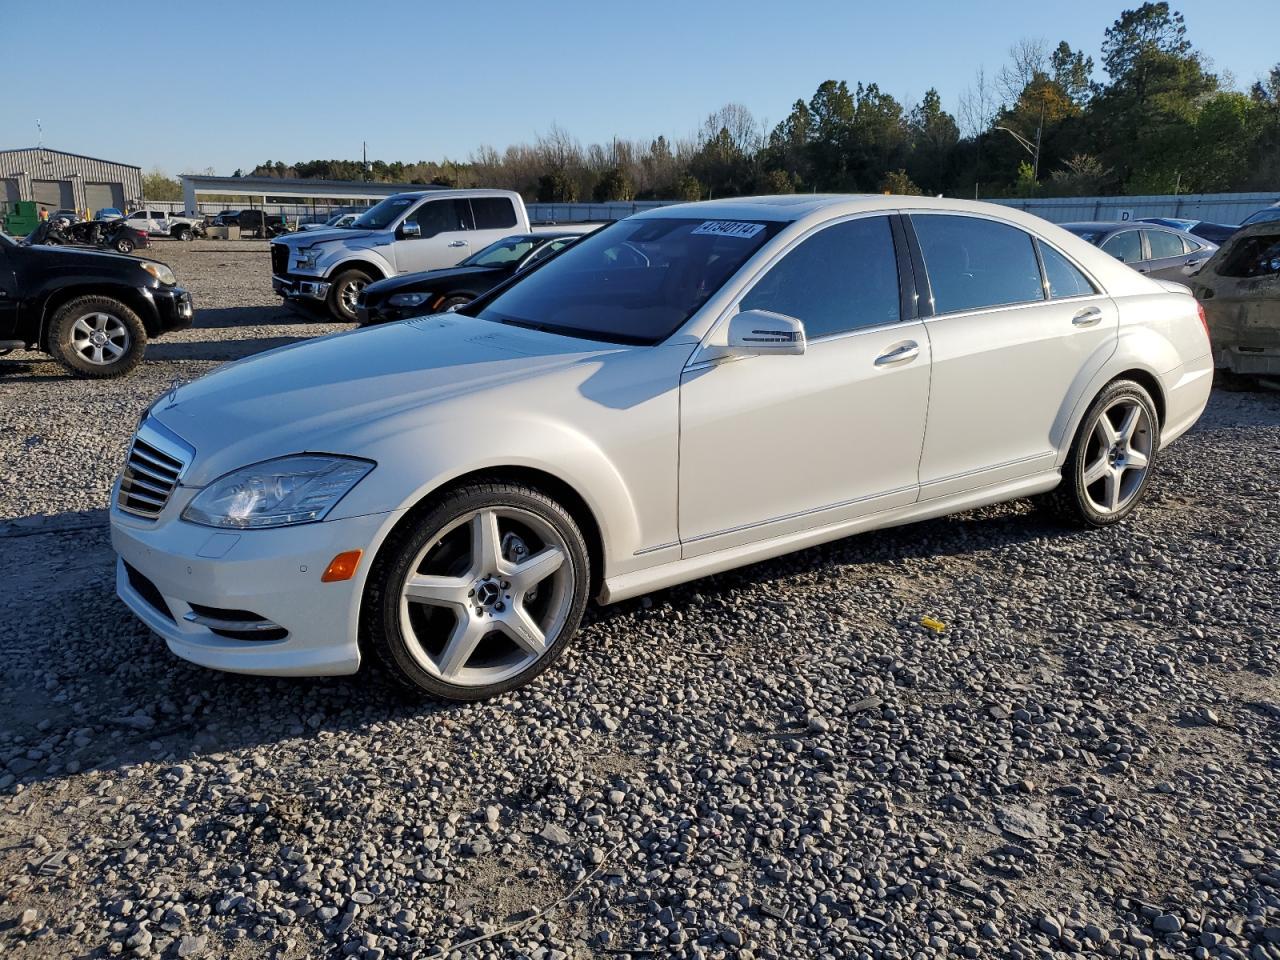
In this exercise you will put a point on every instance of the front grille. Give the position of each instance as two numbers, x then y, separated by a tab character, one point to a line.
279	259
152	470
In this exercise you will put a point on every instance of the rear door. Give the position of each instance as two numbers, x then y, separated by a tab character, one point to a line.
445	239
1165	254
1012	343
494	218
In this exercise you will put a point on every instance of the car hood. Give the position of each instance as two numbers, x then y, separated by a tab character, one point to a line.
325	395
305	238
427	279
94	254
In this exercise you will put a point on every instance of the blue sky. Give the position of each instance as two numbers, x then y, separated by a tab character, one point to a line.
231	84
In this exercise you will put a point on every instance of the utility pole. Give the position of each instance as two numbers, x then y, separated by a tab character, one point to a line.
364	155
1035	165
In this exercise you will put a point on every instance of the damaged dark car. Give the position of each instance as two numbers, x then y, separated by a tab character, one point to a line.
1239	288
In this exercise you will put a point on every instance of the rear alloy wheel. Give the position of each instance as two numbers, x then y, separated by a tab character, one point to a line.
344	294
124	245
1111	461
97	337
481	595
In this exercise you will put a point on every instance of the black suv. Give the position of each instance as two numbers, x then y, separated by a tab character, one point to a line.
91	310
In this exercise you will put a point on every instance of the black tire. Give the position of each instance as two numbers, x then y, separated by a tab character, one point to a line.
67	345
124	245
341	304
1076	499
184	233
448	303
382	629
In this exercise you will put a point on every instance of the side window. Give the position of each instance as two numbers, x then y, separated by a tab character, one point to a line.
138	215
1163	244
493	213
976	263
443	216
1125	246
839	279
1190	246
1065	279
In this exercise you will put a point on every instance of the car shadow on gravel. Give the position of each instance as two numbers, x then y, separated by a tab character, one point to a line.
216	350
270	315
85	686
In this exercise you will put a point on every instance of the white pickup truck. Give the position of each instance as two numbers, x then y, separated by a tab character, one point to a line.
405	233
157	223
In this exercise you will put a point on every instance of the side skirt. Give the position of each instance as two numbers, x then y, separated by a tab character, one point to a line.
672	572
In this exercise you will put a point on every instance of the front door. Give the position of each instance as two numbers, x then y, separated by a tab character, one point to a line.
445	239
771	445
8	296
1011	347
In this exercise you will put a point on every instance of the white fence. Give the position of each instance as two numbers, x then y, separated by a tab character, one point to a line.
1215	207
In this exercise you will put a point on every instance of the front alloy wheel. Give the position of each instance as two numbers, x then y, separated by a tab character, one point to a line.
482	595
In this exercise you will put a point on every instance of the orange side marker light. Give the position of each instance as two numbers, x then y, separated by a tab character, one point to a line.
342	567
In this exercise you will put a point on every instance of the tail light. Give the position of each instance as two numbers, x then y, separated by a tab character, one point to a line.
1204	322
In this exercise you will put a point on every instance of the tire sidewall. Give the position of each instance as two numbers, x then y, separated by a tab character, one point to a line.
124	246
1075	464
384	627
61	346
342	280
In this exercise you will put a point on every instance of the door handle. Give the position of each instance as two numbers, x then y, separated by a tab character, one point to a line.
458	243
1087	317
903	352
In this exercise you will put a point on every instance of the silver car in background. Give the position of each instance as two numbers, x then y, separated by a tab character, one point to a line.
1159	252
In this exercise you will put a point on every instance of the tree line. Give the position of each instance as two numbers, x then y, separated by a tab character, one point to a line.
1160	121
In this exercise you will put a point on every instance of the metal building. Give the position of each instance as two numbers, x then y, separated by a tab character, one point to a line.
57	180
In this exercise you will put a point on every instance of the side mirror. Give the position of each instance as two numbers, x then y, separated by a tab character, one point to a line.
756	332
410	230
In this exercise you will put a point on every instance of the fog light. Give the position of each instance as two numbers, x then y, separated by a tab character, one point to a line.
342	567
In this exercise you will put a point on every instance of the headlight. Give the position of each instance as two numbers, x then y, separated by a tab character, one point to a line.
308	258
160	272
277	493
408	299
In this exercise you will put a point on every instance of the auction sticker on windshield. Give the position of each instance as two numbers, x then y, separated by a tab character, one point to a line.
727	228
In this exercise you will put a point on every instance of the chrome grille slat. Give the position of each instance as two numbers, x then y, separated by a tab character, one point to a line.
154	459
155	464
148	471
135	482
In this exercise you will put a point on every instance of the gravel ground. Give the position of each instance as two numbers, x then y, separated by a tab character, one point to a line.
778	762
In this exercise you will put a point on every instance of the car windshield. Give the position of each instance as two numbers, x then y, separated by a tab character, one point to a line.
1263	216
636	281
1093	236
502	252
381	215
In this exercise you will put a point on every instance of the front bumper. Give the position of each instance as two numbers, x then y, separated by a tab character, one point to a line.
178	576
296	288
174	308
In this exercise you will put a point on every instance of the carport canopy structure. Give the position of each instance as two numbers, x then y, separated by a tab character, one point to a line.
261	191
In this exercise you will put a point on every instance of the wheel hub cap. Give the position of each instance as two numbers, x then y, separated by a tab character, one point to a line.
488	594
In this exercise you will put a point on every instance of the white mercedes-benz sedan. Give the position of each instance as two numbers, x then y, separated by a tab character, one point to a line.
689	390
